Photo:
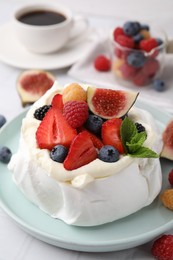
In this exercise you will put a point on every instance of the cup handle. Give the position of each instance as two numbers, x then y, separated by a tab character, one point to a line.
80	24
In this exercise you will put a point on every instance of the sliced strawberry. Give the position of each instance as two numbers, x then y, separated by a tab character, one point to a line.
111	133
54	130
81	152
57	101
148	44
96	140
125	41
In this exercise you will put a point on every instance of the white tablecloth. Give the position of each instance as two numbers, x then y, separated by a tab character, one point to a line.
16	244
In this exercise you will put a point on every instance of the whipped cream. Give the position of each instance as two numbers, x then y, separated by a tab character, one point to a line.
80	197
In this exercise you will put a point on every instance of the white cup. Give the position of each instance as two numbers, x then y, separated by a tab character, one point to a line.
47	38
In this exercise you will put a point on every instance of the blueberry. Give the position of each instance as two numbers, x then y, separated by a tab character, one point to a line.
159	85
2	120
136	59
58	153
5	154
131	28
138	37
144	27
108	154
94	124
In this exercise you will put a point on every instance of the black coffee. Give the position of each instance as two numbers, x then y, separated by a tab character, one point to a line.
42	17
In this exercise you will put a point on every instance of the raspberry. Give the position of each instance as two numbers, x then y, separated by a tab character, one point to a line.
167	198
125	41
76	113
148	44
74	92
102	63
170	177
162	248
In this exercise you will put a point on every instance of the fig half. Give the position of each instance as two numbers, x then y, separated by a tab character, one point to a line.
108	103
32	84
167	136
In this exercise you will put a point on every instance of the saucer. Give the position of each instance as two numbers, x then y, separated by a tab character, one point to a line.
14	54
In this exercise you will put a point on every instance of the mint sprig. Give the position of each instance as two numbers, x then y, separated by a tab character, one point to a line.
133	141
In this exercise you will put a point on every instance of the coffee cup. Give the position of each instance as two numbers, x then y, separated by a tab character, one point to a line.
45	28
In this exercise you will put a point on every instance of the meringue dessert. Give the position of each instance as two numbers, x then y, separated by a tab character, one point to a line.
103	175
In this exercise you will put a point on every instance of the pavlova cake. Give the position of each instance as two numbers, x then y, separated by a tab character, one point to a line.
87	156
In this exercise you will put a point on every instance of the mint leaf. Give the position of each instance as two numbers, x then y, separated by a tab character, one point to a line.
133	141
128	131
136	142
144	152
139	138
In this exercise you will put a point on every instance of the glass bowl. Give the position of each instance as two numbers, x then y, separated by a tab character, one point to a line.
135	66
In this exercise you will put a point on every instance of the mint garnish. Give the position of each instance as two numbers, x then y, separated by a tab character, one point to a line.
133	141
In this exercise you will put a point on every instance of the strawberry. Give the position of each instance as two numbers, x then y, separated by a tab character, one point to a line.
57	101
140	79
81	152
151	67
125	41
170	177
118	31
96	140
102	63
148	44
54	130
111	133
76	113
128	71
162	248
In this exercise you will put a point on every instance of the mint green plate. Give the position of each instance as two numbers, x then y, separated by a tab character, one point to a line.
128	232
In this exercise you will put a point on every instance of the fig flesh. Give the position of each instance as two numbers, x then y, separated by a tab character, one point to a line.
108	103
167	137
32	84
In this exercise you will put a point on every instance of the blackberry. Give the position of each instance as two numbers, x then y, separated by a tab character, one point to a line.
140	128
41	112
123	117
